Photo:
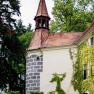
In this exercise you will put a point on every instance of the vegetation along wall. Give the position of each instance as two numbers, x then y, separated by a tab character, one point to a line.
83	79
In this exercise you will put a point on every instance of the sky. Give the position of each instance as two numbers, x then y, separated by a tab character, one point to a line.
29	8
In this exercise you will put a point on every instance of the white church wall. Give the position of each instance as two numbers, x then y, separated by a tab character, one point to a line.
57	61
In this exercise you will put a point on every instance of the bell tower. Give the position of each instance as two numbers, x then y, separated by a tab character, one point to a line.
42	18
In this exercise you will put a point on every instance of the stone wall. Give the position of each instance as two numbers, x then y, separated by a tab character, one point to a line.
34	67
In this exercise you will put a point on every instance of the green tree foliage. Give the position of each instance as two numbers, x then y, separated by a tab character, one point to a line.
72	15
20	28
13	64
85	56
13	92
24	33
12	53
8	8
58	78
25	39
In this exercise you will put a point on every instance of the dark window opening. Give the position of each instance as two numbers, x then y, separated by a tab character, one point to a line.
43	23
85	74
92	40
38	58
85	71
85	93
39	22
47	23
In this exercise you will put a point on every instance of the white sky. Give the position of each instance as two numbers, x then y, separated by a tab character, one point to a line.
29	9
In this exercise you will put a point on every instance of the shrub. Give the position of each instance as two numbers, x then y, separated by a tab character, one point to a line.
36	92
13	92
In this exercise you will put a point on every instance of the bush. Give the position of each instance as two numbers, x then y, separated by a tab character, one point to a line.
57	92
53	92
13	92
36	92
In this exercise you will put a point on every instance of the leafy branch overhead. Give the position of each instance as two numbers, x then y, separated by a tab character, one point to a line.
72	15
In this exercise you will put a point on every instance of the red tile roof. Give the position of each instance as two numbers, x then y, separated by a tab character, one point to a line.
40	35
62	39
43	39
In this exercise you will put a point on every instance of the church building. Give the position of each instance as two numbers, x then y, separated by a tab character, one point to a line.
50	53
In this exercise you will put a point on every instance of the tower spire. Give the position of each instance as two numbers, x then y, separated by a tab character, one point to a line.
42	9
42	18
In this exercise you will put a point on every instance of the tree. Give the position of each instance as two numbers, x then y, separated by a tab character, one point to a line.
25	39
21	29
72	15
8	8
58	78
29	28
13	49
24	33
13	64
12	52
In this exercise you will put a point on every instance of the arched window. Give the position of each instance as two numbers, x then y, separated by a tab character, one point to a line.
43	23
39	22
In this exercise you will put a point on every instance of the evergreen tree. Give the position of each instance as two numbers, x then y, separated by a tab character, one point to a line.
12	56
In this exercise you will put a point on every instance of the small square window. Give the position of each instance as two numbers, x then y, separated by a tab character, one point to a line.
38	58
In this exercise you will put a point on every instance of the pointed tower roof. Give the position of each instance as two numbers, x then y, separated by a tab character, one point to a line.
42	9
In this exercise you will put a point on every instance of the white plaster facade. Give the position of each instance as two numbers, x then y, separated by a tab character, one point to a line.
56	60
